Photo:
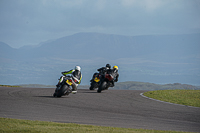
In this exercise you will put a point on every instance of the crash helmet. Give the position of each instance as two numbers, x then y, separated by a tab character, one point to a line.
115	67
78	68
108	66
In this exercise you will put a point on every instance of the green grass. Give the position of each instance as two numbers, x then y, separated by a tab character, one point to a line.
184	97
26	126
8	86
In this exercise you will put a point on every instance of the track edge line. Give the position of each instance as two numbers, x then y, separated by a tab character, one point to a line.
141	94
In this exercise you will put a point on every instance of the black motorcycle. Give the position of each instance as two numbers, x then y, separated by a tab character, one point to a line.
95	81
64	87
107	81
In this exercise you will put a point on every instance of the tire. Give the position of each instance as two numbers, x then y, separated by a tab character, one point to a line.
102	87
62	90
91	88
93	85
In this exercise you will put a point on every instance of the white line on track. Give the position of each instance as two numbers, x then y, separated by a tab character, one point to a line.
141	94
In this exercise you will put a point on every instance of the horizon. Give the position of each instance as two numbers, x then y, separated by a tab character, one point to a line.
40	43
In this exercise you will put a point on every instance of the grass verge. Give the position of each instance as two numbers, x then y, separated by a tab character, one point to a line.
8	125
184	97
8	86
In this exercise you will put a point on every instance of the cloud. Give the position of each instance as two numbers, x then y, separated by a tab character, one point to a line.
148	5
36	21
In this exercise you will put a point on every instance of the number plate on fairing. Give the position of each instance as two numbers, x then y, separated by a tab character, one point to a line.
69	82
96	79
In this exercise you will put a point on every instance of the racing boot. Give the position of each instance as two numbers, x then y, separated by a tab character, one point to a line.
74	91
112	84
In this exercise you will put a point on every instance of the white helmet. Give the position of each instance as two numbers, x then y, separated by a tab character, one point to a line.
78	68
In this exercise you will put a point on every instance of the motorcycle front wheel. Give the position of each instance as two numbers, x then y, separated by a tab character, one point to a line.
93	85
62	90
102	87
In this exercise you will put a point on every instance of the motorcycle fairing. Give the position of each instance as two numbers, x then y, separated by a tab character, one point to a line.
96	79
69	82
109	77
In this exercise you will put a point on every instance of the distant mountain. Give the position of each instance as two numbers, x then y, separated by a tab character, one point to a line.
6	51
92	45
131	85
155	58
29	47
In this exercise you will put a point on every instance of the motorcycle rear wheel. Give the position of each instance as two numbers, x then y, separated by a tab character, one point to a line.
62	90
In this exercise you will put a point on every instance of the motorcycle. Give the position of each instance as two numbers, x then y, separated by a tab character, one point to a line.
95	81
64	87
107	81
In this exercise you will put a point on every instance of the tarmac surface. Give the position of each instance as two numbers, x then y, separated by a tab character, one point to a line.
115	108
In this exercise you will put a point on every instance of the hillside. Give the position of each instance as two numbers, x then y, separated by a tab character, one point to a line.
91	45
158	59
130	85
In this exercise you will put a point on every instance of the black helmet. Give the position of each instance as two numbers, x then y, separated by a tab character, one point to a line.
108	65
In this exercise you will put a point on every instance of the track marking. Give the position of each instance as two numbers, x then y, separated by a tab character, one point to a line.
141	94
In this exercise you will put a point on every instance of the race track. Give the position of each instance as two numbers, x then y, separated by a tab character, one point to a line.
117	108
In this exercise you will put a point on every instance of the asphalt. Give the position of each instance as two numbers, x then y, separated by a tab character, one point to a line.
116	108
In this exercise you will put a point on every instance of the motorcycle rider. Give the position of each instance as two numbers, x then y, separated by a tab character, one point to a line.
102	70
114	73
76	75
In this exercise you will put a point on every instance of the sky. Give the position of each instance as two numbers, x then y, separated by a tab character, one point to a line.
30	22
